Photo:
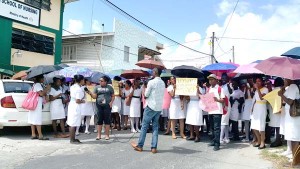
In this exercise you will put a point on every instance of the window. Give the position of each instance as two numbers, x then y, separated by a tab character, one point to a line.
69	53
126	53
32	42
16	87
41	4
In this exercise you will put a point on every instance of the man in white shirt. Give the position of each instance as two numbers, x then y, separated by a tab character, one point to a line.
216	114
154	95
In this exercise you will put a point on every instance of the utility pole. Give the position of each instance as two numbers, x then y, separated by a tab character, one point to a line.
233	58
212	48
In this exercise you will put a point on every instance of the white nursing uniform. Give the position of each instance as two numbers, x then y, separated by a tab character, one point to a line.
194	112
74	109
246	113
175	111
234	113
135	106
57	109
225	118
126	109
259	114
35	116
87	108
116	106
292	124
274	116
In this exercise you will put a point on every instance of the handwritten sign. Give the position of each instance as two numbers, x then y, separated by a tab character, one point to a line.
207	102
274	100
186	86
88	97
115	85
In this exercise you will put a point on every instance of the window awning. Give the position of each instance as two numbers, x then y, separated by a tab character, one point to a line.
147	51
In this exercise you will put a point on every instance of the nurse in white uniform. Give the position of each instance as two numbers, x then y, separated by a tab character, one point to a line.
176	110
126	103
57	109
246	113
135	106
35	117
292	124
74	109
259	114
194	116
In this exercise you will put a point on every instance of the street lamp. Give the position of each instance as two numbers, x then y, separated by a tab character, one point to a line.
19	54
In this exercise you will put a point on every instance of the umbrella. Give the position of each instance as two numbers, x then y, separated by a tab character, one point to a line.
187	71
75	70
49	79
150	64
41	70
20	75
293	53
95	77
284	67
220	67
248	69
7	72
134	73
63	65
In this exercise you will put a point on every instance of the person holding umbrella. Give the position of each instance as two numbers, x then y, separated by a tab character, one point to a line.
35	116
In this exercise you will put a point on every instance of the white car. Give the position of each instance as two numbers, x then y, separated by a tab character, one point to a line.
12	95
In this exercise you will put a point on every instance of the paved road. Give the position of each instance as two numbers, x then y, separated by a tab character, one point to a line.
18	151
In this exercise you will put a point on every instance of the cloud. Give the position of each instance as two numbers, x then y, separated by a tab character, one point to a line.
96	27
74	26
283	24
226	7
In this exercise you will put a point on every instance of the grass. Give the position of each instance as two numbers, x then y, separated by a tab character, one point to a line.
280	162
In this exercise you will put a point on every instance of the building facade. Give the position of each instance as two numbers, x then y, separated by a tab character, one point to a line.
120	49
31	33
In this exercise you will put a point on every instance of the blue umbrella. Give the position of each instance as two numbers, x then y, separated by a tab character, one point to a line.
219	66
293	53
95	77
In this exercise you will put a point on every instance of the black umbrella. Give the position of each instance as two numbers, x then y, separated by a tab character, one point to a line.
293	53
187	71
96	77
41	70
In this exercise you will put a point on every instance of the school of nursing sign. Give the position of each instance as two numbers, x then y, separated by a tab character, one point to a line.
20	12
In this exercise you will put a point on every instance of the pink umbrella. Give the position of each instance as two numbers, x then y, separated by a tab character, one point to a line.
248	69
280	66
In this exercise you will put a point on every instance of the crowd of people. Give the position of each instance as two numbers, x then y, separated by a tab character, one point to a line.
243	114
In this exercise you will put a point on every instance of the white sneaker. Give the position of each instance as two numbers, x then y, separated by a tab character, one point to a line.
77	134
286	153
245	140
133	131
226	141
290	156
87	132
95	131
222	142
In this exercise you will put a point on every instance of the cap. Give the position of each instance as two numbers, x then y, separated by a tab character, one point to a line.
212	76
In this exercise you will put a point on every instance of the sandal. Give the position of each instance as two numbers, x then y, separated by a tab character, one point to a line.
98	138
34	137
43	138
106	138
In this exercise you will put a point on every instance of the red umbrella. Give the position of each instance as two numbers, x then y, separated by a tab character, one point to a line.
134	73
150	64
280	66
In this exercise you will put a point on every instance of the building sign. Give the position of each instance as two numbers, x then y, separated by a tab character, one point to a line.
21	12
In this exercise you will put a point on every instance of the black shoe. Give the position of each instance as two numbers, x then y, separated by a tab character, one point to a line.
260	148
216	148
190	138
211	144
257	145
276	144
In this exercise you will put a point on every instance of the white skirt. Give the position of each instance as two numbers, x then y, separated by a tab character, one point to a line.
234	113
259	115
88	109
175	110
74	115
246	113
225	118
35	116
57	110
274	119
292	127
194	113
126	109
135	107
282	121
116	107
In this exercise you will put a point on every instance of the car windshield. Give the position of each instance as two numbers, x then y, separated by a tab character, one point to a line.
17	87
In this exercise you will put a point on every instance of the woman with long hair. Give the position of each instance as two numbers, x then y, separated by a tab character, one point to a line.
259	113
35	117
74	108
176	110
126	103
57	107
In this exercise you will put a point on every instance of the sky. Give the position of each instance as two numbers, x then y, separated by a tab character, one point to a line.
192	22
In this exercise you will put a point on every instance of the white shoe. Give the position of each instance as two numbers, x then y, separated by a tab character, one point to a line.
226	141
222	142
87	132
286	153
133	131
95	131
245	140
290	156
77	134
290	160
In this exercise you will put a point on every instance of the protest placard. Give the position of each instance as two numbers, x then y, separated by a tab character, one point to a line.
115	85
186	86
208	103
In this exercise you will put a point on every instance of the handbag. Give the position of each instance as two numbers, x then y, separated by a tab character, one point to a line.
31	100
295	108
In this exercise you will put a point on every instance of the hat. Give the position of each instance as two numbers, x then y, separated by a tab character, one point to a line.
212	76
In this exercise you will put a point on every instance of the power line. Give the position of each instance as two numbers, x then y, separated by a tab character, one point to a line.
224	53
113	6
257	39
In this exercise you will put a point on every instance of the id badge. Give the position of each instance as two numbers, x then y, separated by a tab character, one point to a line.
103	101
